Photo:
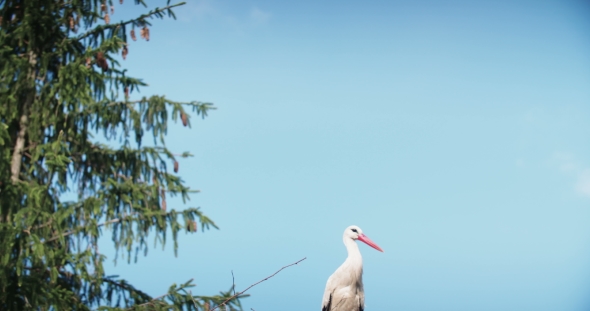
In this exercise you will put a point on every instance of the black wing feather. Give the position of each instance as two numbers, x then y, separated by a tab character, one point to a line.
327	307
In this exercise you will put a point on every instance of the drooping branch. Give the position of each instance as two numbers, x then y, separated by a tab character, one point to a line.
112	221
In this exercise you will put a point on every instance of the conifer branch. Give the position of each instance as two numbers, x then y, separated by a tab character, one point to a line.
126	102
149	302
74	231
54	103
154	300
142	17
268	277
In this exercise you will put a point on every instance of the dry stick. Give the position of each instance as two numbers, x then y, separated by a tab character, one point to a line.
193	299
268	277
233	282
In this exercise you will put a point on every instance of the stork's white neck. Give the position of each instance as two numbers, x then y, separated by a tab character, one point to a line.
354	258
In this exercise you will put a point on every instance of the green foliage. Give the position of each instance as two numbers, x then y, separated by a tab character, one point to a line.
62	93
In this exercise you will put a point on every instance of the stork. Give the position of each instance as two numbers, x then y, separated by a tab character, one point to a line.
344	289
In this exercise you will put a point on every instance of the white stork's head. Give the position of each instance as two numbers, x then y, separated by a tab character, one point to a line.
355	233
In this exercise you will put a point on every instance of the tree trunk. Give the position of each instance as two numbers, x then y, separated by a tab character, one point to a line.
17	155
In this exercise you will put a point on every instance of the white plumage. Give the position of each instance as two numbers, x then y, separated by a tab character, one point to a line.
344	289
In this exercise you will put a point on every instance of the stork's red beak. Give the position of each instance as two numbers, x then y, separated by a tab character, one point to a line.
363	238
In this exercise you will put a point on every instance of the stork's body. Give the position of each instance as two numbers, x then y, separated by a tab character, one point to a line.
344	290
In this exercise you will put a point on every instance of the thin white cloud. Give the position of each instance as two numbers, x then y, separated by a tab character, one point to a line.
203	8
583	184
259	16
213	11
197	10
568	164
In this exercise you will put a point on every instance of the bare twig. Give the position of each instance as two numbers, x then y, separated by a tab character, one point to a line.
193	299
41	226
233	282
27	301
268	277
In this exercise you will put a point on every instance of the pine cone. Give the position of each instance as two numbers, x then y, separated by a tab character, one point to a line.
145	33
102	62
192	226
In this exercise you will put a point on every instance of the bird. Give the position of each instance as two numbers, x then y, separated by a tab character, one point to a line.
344	289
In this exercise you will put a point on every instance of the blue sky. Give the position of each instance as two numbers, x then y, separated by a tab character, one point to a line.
454	133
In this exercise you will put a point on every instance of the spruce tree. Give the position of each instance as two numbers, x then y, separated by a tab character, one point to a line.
71	122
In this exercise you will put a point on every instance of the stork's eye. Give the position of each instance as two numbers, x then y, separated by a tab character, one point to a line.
354	230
